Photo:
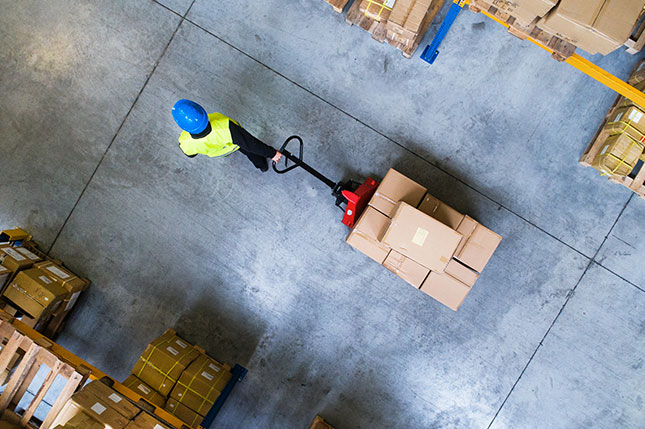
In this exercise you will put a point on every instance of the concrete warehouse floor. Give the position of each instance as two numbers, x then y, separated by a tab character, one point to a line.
254	267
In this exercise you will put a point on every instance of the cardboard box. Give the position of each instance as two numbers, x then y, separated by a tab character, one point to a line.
618	156
16	260
627	120
404	267
147	392
73	417
378	10
200	384
65	277
395	188
466	228
163	361
462	273
597	26
99	409
183	413
35	293
116	401
146	421
637	76
446	289
524	11
441	211
479	248
405	21
5	274
421	238
366	233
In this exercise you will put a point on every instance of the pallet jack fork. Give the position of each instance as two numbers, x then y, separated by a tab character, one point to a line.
354	196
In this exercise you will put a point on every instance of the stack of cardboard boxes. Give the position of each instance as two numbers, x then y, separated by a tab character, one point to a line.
596	26
181	378
98	406
623	135
401	23
42	290
423	240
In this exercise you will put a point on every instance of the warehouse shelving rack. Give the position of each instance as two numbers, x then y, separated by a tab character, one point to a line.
80	370
575	60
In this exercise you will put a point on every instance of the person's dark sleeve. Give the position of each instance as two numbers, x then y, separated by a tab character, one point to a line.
250	144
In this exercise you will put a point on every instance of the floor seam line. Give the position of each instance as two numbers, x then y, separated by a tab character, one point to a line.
566	301
118	131
388	138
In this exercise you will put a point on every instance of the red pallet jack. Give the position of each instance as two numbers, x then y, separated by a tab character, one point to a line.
353	195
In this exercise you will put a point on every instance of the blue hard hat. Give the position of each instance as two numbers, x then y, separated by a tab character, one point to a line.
190	116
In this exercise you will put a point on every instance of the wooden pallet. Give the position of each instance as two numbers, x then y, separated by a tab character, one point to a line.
379	33
561	48
338	5
21	358
636	41
635	183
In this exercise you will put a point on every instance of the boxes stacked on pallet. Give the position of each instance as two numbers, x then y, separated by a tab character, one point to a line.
98	406
622	138
433	247
401	23
596	26
40	292
179	377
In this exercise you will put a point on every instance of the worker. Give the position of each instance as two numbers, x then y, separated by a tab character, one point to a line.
216	135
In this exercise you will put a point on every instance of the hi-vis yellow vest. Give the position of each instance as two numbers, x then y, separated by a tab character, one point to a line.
218	143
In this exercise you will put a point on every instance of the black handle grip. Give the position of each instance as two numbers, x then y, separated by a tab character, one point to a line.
288	156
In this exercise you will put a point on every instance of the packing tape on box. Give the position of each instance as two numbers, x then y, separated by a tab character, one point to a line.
173	413
386	198
188	387
146	361
621	161
384	4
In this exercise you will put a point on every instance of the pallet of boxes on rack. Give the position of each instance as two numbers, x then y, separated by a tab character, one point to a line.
401	23
173	374
38	290
595	26
424	241
617	149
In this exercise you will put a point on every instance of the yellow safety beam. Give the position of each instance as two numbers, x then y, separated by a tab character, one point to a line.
591	70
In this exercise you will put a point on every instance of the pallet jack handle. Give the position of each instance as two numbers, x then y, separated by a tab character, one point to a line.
298	162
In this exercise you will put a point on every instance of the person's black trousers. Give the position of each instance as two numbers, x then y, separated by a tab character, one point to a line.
254	149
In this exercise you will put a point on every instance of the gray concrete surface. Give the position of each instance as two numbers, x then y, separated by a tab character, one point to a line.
254	267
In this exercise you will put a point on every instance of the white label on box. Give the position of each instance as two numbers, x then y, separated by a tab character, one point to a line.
390	3
420	237
173	351
158	427
213	367
620	115
15	255
45	279
181	344
98	408
72	300
638	116
604	149
27	253
207	376
144	389
115	398
58	272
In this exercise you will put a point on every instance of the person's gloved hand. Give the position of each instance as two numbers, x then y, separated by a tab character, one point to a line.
277	157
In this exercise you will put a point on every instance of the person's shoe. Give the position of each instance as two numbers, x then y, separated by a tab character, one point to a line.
264	168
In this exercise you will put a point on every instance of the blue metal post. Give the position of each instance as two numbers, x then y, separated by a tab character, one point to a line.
238	372
431	51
